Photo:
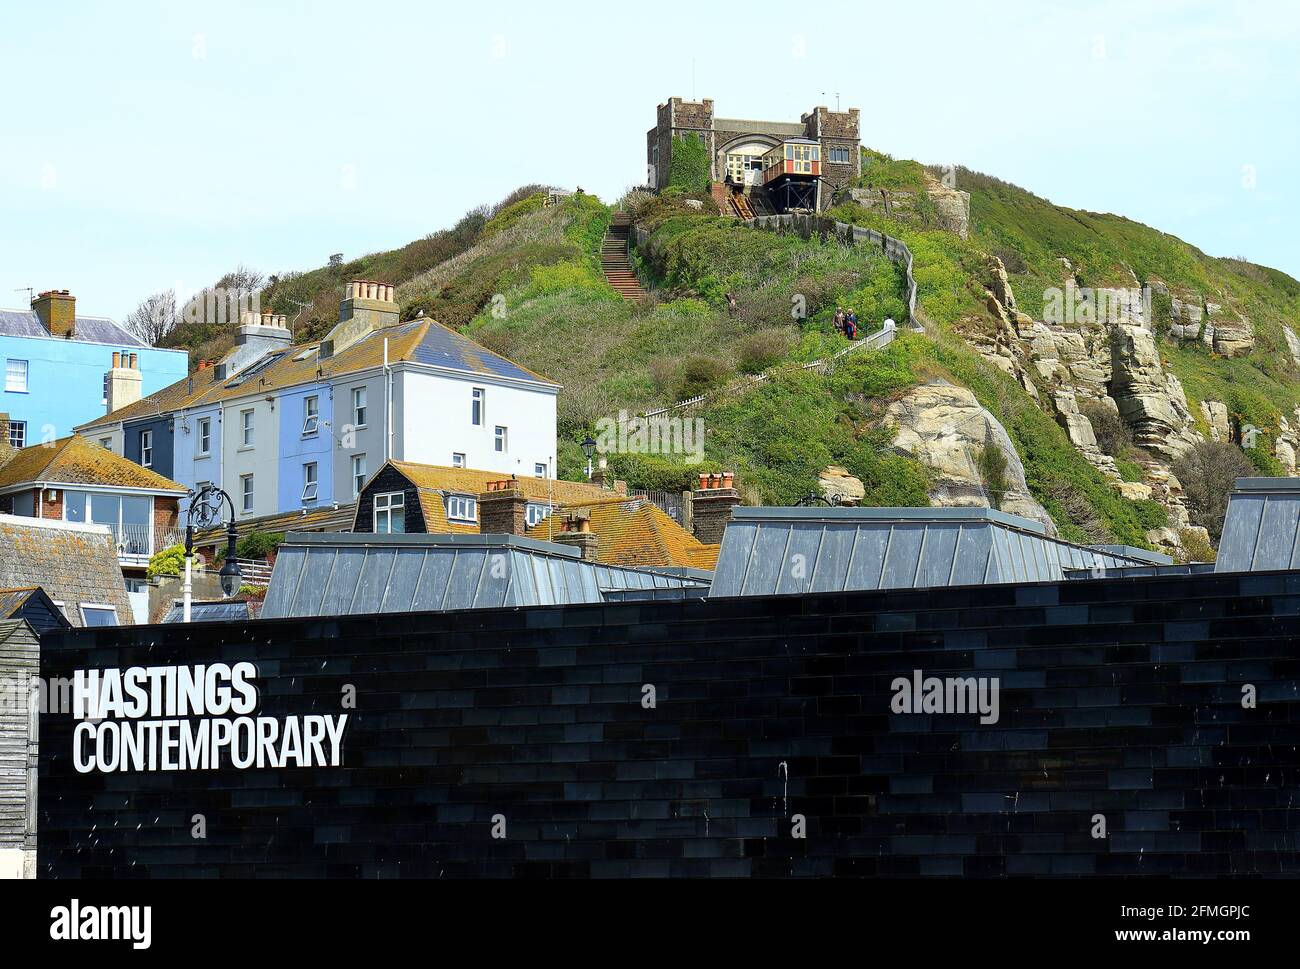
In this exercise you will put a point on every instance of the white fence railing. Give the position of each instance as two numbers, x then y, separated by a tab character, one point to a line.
808	226
136	542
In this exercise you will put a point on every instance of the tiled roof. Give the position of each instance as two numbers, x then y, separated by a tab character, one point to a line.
419	341
435	482
73	564
327	519
76	461
86	329
11	600
633	532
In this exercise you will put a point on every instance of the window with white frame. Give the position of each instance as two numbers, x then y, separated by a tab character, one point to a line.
246	491
146	449
539	471
462	508
839	154
537	513
18	434
105	400
359	406
358	474
16	376
106	443
476	407
310	415
390	514
205	436
94	615
458	460
501	439
310	481
246	428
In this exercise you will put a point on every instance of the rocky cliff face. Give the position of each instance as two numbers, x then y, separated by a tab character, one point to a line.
945	428
950	207
1109	357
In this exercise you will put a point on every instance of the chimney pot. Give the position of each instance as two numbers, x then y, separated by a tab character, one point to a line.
117	359
135	361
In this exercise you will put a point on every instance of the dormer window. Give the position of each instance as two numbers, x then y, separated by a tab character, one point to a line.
462	509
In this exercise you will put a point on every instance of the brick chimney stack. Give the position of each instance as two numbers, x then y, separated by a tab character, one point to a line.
577	534
503	509
711	506
57	311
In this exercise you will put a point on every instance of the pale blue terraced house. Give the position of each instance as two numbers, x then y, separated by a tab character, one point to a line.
60	369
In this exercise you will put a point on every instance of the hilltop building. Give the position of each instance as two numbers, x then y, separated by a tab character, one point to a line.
284	428
61	369
772	165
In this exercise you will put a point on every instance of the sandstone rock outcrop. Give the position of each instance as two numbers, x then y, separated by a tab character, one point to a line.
840	487
1228	334
1216	415
1292	343
1151	401
947	430
951	206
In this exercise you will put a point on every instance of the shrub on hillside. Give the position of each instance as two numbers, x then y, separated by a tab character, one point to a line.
763	349
700	374
1113	435
1195	547
1208	474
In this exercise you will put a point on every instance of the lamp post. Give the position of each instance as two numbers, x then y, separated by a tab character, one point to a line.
204	512
589	449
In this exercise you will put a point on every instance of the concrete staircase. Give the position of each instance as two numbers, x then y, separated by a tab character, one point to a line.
614	259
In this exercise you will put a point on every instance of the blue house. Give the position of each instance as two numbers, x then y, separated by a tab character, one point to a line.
306	452
57	366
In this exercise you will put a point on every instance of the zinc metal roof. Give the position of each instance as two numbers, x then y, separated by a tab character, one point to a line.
350	574
1261	532
791	551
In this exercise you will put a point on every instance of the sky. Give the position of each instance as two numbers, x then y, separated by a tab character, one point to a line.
151	145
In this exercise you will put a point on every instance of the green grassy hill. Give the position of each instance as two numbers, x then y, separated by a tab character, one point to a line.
525	280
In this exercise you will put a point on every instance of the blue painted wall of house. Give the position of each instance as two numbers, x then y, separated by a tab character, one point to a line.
189	466
297	449
65	381
163	445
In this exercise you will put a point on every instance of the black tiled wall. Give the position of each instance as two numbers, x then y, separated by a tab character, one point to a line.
1118	697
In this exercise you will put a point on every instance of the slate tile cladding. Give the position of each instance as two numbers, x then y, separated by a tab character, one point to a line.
1119	697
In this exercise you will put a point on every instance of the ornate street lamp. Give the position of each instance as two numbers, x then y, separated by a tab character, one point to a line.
589	449
205	512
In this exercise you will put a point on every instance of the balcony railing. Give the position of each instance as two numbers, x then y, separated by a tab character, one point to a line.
138	543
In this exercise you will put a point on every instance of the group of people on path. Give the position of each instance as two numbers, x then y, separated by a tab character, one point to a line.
847	323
